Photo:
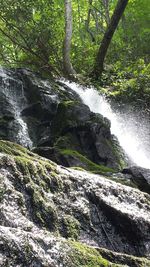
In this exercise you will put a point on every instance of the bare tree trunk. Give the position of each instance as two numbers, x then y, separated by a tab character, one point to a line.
99	63
68	69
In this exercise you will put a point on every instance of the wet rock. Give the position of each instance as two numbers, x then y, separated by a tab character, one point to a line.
38	111
47	113
46	152
140	176
42	202
75	128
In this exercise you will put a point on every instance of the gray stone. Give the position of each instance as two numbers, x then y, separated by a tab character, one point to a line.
43	205
140	176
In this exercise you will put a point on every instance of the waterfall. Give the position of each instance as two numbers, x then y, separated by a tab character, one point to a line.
130	131
13	91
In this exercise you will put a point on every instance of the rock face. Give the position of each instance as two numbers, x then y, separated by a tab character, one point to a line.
49	117
140	176
54	216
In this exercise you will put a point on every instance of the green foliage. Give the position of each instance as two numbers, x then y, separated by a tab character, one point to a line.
130	43
28	33
131	85
32	33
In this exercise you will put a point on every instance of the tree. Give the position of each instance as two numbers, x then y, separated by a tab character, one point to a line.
106	8
68	69
87	22
26	30
99	62
32	35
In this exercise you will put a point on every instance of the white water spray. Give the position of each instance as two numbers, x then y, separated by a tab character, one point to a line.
129	131
17	103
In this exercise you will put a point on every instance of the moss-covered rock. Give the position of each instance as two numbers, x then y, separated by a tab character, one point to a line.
84	162
83	255
86	256
46	113
42	202
32	175
70	227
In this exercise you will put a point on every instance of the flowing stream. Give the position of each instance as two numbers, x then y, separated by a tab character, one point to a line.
130	131
17	102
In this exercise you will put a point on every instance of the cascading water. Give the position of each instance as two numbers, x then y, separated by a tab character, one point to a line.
17	102
128	129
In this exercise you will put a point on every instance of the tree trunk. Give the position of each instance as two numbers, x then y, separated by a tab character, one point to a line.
68	69
87	22
106	7
99	63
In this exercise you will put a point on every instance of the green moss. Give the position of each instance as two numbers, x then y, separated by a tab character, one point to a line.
89	165
12	148
36	179
70	227
121	259
33	174
45	212
70	103
34	171
29	163
85	256
82	255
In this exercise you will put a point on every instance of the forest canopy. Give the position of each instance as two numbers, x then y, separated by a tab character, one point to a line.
32	34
